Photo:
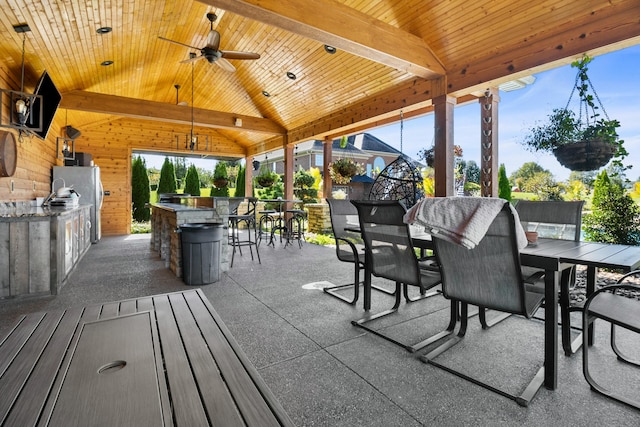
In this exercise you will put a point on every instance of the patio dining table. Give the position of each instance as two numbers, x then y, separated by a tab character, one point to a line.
161	360
553	256
281	222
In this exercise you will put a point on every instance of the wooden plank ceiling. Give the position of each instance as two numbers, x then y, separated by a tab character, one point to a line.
391	55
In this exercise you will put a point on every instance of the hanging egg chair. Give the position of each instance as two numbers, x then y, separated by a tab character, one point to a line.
400	180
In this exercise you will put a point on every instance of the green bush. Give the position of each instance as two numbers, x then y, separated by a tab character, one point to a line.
240	184
615	217
192	182
504	187
140	190
167	182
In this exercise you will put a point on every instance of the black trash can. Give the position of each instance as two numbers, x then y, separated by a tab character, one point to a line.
200	252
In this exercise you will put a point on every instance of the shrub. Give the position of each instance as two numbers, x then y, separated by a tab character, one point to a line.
167	182
192	182
240	184
504	187
615	217
140	190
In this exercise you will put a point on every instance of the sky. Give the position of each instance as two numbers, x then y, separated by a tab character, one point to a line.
614	76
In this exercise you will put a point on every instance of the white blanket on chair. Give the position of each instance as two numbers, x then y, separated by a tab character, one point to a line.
461	220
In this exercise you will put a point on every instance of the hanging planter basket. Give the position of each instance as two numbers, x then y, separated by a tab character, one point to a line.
342	170
220	182
265	180
586	155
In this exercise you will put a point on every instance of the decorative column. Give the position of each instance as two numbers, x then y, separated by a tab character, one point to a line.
443	159
288	169
327	152
489	143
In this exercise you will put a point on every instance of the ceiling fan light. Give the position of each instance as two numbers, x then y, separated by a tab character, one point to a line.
330	49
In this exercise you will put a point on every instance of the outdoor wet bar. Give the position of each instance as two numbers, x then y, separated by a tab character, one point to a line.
167	217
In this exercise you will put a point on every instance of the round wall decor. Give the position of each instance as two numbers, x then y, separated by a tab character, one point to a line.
8	153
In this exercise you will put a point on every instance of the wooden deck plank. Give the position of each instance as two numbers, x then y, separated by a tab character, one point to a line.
253	397
187	407
110	310
218	401
112	376
14	378
143	304
18	336
89	314
128	307
27	411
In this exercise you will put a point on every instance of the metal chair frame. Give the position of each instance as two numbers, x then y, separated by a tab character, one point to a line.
503	290
249	218
610	305
389	254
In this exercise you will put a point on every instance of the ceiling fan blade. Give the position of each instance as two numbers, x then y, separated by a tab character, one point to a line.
195	58
225	65
234	54
213	40
178	43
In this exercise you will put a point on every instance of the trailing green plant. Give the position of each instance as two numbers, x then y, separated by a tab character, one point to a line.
266	177
140	191
167	182
342	170
615	217
220	175
192	181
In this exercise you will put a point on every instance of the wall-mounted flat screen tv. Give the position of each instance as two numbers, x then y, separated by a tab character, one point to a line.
50	100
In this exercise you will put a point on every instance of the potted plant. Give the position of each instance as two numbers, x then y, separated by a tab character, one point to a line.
579	143
342	170
266	178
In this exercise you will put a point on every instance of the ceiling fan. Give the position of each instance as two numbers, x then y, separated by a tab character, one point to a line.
211	52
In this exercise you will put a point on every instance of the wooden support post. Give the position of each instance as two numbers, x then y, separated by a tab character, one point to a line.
327	152
248	175
489	143
443	162
288	169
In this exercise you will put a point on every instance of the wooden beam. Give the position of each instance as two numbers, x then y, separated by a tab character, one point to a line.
592	31
333	23
413	95
150	110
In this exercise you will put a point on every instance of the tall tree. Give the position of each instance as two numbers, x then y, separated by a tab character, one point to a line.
192	181
240	184
180	168
167	182
504	187
140	190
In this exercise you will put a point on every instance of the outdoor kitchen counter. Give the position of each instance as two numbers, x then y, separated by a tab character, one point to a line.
166	218
40	247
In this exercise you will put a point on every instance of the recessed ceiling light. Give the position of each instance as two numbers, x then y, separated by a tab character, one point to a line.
265	93
291	75
106	63
103	30
330	49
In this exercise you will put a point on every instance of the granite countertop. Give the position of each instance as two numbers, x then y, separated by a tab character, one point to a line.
178	207
13	210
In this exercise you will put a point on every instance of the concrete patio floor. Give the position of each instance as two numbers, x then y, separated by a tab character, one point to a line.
326	372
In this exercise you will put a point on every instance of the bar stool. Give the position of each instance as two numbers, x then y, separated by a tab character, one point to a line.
295	226
249	218
266	224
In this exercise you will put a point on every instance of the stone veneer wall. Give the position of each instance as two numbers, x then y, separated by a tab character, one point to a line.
319	218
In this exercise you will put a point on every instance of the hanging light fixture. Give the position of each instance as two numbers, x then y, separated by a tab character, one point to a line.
21	115
66	145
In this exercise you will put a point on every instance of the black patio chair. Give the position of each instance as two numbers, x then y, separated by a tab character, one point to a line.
390	254
555	220
349	247
619	305
490	277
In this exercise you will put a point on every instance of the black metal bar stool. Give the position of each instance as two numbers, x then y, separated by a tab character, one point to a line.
266	224
248	218
295	226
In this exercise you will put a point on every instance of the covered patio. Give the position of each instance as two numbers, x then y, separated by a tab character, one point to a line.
325	371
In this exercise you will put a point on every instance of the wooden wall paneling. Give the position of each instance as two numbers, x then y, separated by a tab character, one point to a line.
39	256
5	262
19	257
